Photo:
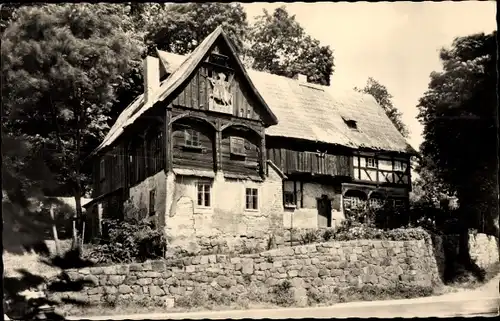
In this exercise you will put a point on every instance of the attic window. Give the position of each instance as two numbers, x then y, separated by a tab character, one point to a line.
218	59
351	123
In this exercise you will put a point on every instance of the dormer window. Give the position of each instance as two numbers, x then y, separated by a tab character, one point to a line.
351	123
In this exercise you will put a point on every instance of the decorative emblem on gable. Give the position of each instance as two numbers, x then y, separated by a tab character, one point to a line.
221	98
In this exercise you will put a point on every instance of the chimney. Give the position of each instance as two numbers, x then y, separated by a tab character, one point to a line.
151	75
300	77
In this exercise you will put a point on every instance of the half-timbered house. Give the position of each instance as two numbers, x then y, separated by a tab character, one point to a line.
213	148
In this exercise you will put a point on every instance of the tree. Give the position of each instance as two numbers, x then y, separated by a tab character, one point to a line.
458	112
180	28
384	99
61	65
279	45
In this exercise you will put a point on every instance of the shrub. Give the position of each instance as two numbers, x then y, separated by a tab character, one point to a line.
282	294
309	237
328	235
126	242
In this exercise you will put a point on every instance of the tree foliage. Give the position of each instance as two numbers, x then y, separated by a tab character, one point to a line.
458	112
279	45
384	99
61	65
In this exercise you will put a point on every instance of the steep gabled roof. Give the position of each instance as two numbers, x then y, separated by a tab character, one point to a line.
320	113
178	76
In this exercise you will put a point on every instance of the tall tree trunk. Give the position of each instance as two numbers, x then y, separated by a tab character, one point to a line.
54	231
77	182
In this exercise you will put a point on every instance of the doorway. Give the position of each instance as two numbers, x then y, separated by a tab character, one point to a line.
324	206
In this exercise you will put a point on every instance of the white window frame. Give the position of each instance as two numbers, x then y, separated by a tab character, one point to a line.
372	159
189	135
203	184
254	208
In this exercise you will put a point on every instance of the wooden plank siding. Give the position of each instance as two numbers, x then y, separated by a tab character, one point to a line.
195	95
292	161
188	157
249	163
130	161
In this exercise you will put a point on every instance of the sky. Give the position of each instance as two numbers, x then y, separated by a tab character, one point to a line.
395	43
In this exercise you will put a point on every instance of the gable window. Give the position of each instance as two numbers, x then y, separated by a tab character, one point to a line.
192	138
102	170
152	195
204	189
252	199
242	112
371	162
237	146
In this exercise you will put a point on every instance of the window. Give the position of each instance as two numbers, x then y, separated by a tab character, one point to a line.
289	194
152	202
398	166
242	112
371	162
237	145
375	203
290	200
251	199
102	170
204	189
191	138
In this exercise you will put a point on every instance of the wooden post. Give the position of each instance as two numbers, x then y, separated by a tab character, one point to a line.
168	140
263	156
54	230
218	146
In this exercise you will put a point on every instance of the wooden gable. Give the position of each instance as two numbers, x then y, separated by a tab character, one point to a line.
218	85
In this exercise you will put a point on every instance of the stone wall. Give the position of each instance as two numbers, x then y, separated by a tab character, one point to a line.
483	249
322	267
186	223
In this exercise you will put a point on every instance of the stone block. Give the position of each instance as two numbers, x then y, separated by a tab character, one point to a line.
158	266
109	270
96	270
122	270
96	290
155	290
144	281
91	278
190	269
110	290
116	279
130	279
247	266
124	289
135	267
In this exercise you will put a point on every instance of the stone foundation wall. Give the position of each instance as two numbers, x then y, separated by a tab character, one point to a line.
323	267
483	249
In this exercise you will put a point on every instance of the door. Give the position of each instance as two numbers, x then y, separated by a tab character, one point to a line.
324	207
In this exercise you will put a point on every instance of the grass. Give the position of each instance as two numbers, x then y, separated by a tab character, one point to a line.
13	262
469	282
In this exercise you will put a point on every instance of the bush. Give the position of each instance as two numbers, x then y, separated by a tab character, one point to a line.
126	242
282	294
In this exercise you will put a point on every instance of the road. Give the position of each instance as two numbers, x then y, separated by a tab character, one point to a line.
422	307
